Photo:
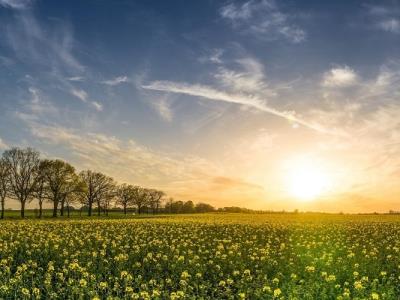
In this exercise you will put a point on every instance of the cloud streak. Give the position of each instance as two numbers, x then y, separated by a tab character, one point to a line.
80	94
16	4
116	81
242	99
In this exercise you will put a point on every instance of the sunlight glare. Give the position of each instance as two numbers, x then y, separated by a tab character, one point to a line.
306	180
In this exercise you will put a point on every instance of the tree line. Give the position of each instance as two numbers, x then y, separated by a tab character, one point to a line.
25	177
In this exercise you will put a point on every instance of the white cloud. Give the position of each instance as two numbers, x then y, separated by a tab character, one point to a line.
249	78
212	94
84	97
76	78
340	77
390	25
98	106
116	81
16	4
126	160
264	19
385	17
80	94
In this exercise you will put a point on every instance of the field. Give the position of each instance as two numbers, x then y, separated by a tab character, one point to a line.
211	256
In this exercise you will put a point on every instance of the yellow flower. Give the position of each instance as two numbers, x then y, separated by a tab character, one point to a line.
358	285
266	289
277	292
374	296
25	292
310	269
103	285
82	282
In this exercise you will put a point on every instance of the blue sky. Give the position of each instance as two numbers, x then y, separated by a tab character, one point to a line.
210	100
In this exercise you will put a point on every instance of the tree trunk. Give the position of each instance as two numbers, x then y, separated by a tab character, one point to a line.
40	208
90	209
55	209
125	209
2	207
68	210
62	206
23	209
98	209
139	209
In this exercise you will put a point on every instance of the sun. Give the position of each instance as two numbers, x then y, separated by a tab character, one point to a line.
306	180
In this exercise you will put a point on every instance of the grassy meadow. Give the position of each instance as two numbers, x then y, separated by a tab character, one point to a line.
207	256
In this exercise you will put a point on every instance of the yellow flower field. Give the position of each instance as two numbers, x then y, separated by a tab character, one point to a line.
211	256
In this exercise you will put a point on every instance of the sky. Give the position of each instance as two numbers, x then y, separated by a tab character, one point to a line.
234	103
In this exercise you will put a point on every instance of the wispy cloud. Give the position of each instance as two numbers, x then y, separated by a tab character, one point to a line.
162	106
212	94
16	4
84	97
385	17
340	77
249	78
98	106
264	19
51	48
126	160
116	81
76	78
37	105
80	94
390	25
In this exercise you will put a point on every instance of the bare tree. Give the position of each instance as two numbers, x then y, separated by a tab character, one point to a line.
23	165
59	176
4	177
108	200
125	194
140	197
39	193
98	186
72	190
155	197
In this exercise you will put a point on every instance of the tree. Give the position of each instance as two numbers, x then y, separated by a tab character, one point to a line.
188	207
125	194
140	197
4	177
108	200
154	199
97	186
39	193
73	188
204	207
60	178
168	205
23	165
